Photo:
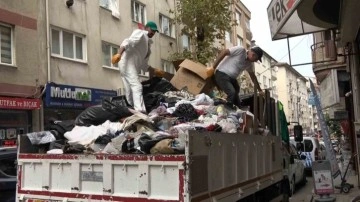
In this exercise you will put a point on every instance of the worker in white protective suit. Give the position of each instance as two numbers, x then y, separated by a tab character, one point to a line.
134	55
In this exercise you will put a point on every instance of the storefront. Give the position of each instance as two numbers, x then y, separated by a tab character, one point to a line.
64	102
16	118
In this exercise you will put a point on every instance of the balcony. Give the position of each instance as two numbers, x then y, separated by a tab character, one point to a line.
326	56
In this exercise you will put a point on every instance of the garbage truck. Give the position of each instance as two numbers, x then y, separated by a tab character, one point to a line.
243	166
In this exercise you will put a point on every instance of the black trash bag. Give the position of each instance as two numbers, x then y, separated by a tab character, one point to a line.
74	149
59	128
105	139
146	142
128	146
186	111
153	100
157	84
117	105
95	115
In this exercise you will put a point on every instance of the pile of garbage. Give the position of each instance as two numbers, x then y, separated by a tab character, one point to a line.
113	127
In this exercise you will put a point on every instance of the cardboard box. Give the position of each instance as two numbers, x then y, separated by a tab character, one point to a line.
192	77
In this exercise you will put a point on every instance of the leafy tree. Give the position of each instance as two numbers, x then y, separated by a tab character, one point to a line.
334	126
205	22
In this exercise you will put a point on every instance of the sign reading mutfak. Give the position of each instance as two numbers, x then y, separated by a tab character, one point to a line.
64	96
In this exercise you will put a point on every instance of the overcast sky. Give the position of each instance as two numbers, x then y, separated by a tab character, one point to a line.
299	46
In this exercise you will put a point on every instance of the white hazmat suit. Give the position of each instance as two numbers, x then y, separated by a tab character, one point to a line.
134	59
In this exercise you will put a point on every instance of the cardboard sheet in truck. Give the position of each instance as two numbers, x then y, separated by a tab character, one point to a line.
192	76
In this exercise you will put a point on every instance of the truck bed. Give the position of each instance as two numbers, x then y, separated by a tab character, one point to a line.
215	166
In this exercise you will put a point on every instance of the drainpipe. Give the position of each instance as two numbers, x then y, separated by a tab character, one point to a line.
47	40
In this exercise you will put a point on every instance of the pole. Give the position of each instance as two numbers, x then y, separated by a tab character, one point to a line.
288	43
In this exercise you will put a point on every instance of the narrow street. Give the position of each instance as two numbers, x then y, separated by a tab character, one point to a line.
303	193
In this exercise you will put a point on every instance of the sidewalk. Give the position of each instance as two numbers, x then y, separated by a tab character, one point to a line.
343	197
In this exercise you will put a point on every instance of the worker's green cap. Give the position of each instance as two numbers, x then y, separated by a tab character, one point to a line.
152	25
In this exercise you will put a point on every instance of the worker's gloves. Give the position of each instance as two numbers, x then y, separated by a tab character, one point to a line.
159	72
115	58
210	71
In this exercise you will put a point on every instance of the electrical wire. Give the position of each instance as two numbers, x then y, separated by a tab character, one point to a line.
293	47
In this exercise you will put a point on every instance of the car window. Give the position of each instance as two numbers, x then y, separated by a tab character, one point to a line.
308	145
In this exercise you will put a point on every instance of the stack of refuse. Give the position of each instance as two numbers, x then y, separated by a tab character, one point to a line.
113	127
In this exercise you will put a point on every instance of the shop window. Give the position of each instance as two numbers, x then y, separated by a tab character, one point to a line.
108	50
13	123
167	27
6	39
138	12
67	45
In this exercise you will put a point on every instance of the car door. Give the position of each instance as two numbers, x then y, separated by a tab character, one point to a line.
298	164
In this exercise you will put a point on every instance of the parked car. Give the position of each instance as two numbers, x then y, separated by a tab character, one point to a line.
310	147
8	156
294	168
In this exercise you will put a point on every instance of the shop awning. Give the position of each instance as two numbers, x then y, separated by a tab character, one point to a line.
288	18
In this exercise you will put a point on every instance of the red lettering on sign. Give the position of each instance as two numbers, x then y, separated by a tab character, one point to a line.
19	103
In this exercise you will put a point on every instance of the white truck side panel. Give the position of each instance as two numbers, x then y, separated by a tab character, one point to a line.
215	167
229	167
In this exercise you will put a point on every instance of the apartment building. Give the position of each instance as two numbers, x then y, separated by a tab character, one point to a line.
22	68
55	55
293	93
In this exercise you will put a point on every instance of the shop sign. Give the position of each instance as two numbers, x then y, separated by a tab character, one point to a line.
19	103
279	12
65	96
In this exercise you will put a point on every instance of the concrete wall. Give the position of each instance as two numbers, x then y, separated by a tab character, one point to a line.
29	47
97	24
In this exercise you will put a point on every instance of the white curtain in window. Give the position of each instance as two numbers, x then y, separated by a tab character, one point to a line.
186	42
104	3
114	7
165	26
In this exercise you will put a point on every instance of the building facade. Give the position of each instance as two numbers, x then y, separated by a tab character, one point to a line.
293	93
55	55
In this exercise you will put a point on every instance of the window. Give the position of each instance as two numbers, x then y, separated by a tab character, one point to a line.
108	50
112	5
167	66
239	41
247	23
105	3
138	12
67	45
228	36
238	17
6	44
264	81
167	27
185	42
